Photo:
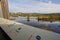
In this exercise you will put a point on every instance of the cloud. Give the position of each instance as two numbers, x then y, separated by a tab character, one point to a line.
34	6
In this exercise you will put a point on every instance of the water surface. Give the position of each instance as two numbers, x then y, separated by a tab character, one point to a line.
46	25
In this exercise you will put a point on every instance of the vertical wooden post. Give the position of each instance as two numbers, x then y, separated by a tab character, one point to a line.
5	10
28	18
1	15
38	18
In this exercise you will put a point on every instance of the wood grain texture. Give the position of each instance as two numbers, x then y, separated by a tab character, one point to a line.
5	10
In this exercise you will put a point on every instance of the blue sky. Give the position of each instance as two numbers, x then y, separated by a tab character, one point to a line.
34	6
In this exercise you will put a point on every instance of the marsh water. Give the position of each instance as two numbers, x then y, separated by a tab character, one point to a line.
46	25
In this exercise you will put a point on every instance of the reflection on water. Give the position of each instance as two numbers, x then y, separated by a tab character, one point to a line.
54	26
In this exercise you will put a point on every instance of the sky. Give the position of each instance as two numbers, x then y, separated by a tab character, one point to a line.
34	6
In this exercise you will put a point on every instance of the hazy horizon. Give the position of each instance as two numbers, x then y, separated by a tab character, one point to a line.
34	6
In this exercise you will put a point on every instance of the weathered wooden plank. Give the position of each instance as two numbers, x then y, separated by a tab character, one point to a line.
19	31
5	10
